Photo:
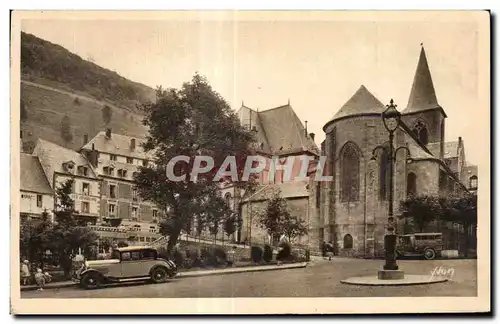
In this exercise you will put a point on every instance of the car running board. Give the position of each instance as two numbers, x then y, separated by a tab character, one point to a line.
130	279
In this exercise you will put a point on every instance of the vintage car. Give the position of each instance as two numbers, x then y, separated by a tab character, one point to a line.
133	263
428	245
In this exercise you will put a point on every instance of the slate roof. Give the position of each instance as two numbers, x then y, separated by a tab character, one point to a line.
33	178
471	170
450	150
288	190
417	152
434	148
362	102
52	157
422	94
280	130
119	145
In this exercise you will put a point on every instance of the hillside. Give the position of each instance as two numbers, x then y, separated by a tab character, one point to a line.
57	83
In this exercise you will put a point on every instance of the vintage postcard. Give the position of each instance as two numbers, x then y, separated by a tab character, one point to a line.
250	162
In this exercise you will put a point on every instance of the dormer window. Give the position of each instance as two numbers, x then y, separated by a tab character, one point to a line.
122	173
112	157
108	171
69	166
83	170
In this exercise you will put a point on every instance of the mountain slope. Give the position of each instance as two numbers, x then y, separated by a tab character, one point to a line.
57	83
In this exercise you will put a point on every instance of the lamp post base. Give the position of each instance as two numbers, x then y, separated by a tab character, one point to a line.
391	274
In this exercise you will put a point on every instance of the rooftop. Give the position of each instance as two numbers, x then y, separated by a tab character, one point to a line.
362	102
119	145
33	178
52	157
287	190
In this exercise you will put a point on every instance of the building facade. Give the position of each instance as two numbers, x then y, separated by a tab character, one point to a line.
354	206
37	196
60	164
115	159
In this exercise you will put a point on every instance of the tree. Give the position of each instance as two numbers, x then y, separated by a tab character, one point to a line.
66	133
67	237
230	224
422	210
191	121
24	111
35	238
107	113
461	209
276	219
217	211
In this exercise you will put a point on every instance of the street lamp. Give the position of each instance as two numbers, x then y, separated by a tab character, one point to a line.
391	118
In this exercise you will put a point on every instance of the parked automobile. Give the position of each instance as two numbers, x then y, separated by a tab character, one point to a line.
428	245
132	263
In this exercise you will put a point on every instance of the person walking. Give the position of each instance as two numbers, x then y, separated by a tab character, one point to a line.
329	250
323	249
40	279
25	273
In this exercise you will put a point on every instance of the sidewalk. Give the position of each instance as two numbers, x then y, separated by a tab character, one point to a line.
191	274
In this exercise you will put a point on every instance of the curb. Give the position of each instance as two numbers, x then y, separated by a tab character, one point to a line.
204	273
193	274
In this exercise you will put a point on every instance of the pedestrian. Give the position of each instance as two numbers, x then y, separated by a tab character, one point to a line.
40	279
323	249
329	250
47	276
25	273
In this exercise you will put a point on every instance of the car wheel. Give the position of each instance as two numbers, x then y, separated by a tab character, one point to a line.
429	254
91	281
159	275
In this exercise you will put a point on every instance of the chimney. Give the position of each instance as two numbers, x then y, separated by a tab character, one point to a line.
85	139
108	133
132	144
305	130
311	135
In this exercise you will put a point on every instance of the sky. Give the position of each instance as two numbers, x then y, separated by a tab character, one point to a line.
317	65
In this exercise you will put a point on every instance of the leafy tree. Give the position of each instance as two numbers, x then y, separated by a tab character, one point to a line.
191	121
35	238
421	209
293	226
107	113
66	133
230	225
217	211
67	237
24	111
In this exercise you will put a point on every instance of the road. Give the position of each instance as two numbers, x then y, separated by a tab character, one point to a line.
319	279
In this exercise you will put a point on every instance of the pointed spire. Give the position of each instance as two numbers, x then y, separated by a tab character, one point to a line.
422	95
289	101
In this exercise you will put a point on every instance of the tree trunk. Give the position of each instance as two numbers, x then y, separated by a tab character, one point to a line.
172	240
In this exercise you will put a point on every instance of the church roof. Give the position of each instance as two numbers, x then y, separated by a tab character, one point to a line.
362	102
422	95
288	190
280	130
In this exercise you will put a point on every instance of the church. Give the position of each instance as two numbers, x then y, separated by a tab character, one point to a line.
352	210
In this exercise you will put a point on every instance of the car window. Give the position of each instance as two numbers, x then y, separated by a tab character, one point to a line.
125	256
148	254
136	255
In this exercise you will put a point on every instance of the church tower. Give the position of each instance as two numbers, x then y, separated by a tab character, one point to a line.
423	114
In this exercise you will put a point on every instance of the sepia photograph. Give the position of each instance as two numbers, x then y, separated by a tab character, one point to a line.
250	162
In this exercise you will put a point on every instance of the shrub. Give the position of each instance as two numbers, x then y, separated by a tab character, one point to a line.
178	259
220	256
256	254
285	252
76	101
268	253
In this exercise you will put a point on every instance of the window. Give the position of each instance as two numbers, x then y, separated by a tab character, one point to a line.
348	241
135	212
134	194
84	171
385	174
227	197
318	195
85	207
420	131
86	188
136	255
411	184
145	163
155	213
122	173
111	209
108	171
112	191
473	182
349	177
130	160
126	256
112	157
39	201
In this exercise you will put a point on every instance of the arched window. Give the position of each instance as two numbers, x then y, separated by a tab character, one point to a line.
385	173
473	182
348	241
411	184
349	174
227	198
420	130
